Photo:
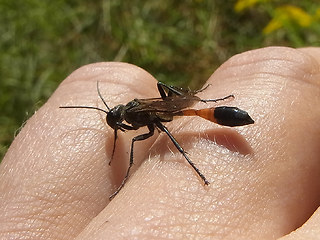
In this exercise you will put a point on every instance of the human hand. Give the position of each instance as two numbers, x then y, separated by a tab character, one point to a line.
55	180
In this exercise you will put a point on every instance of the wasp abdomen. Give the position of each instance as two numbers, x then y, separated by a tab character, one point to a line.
232	116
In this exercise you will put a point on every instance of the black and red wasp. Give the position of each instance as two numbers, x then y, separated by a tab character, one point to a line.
153	112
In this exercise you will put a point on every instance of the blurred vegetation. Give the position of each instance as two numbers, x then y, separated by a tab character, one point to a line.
179	42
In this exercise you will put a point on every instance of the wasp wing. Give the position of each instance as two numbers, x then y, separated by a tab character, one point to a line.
169	104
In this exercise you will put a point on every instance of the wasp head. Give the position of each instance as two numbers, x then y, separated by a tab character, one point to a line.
115	116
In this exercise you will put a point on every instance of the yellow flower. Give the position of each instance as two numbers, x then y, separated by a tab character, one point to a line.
317	15
285	14
243	4
273	25
298	15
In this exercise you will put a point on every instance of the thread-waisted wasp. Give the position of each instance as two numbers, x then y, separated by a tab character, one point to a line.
153	112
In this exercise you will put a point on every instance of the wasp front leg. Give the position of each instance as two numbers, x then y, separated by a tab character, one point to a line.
137	138
122	127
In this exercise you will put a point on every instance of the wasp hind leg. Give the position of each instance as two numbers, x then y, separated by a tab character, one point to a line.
181	150
170	89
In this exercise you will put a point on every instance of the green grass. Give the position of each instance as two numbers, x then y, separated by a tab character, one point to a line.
179	42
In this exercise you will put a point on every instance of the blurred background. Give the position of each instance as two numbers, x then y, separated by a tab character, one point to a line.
178	42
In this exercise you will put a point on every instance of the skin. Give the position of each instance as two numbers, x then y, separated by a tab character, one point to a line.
55	180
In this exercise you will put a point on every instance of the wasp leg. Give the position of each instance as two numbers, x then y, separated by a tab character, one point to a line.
122	127
218	99
114	144
137	138
181	150
161	90
202	89
171	90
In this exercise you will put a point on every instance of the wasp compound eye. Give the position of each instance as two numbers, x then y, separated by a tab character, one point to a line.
232	116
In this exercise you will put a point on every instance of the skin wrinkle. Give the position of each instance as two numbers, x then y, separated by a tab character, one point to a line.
271	53
308	66
166	217
179	225
283	73
175	207
42	204
117	78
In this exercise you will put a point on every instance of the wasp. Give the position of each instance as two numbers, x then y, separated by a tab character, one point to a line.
154	112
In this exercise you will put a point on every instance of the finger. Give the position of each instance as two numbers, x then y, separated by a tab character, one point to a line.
310	229
55	177
262	193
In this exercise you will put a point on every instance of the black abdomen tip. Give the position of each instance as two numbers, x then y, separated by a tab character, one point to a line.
232	116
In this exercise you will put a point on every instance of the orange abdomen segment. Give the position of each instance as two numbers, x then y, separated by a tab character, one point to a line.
207	113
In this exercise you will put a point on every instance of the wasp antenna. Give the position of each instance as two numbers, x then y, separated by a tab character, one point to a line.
87	107
104	102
